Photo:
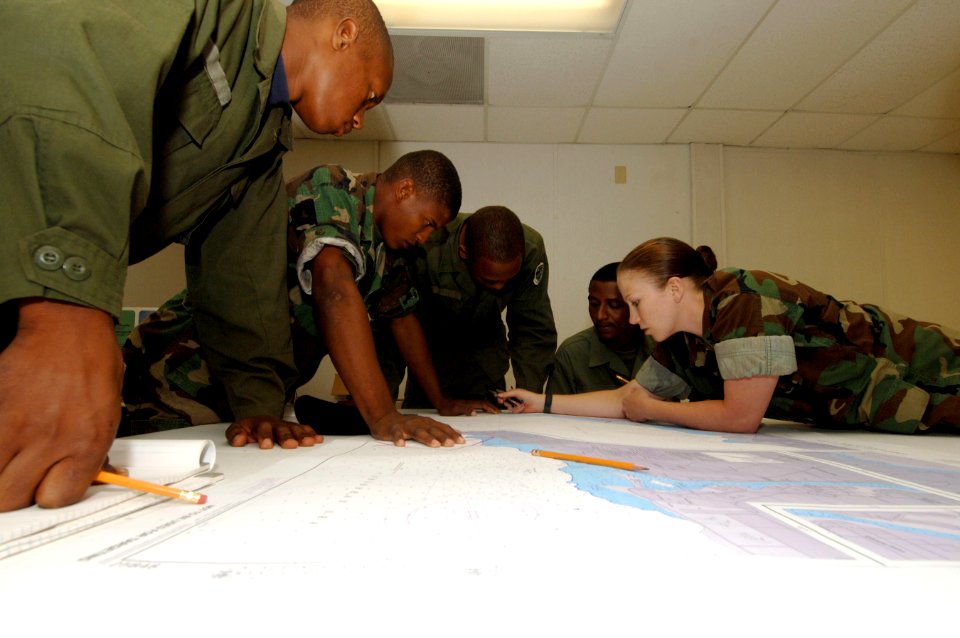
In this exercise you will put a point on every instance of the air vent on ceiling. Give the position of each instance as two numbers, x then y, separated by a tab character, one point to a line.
437	70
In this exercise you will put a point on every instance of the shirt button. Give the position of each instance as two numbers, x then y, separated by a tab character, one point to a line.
76	268
48	257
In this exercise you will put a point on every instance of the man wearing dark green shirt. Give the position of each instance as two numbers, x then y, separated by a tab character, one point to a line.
479	266
610	352
136	124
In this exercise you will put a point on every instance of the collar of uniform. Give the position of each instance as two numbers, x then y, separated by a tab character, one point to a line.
448	239
270	29
279	90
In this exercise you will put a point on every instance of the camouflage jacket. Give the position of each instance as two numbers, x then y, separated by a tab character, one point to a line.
838	362
331	207
167	382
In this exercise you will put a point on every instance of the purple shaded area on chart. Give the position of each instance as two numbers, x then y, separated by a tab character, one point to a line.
779	502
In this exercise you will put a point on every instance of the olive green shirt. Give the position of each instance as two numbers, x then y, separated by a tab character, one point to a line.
138	123
464	323
585	364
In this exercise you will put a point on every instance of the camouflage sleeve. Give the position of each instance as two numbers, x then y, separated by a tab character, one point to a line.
324	211
752	333
756	356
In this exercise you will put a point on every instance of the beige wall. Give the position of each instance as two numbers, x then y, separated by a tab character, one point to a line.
875	227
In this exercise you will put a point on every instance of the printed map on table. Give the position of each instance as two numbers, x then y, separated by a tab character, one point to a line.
788	498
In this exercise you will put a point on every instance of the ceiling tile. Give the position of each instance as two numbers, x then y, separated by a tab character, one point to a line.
798	44
940	100
433	123
562	70
915	52
737	128
852	74
668	52
813	130
533	125
901	134
629	126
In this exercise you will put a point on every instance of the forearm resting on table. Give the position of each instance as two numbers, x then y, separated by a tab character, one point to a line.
741	410
602	403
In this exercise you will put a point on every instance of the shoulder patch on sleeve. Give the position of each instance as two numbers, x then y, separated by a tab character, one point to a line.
538	274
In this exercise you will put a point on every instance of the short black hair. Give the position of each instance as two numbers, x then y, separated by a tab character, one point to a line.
494	232
434	175
374	37
606	273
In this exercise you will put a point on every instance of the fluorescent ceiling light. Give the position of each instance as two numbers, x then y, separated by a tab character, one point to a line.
595	16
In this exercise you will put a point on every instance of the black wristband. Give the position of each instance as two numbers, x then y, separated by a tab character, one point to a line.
547	400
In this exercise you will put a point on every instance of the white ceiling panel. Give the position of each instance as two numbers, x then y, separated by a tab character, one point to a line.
737	128
533	125
901	134
915	52
545	71
940	100
842	74
433	123
629	126
814	130
798	44
669	52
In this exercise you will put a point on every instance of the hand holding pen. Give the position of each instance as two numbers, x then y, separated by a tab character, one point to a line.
519	400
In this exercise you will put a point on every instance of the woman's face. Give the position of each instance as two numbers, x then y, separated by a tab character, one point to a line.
652	307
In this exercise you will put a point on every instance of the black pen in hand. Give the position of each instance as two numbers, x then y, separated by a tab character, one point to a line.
510	402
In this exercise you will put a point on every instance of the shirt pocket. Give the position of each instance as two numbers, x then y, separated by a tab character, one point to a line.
193	109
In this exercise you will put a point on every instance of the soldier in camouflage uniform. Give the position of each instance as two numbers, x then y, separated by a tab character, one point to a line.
366	219
742	344
478	266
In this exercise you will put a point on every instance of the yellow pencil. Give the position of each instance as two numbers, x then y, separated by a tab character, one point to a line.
622	379
153	488
588	459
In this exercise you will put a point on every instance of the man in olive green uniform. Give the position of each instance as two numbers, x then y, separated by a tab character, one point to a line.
607	354
473	270
126	126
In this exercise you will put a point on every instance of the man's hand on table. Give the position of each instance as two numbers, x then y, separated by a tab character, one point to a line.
399	428
60	382
267	430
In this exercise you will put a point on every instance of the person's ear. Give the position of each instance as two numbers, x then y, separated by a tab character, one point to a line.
345	34
405	188
462	248
675	285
